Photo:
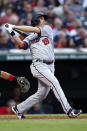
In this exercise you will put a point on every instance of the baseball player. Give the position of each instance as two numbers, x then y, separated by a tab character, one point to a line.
41	46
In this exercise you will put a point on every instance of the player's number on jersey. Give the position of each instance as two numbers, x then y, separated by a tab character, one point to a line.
45	41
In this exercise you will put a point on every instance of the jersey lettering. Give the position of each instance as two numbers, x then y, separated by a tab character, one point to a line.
45	41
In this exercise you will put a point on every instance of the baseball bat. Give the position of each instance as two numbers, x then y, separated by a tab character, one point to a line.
21	33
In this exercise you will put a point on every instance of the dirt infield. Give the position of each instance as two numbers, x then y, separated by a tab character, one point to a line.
42	118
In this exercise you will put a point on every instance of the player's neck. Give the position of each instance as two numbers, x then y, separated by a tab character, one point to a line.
40	25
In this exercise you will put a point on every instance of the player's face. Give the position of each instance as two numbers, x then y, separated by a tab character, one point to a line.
42	21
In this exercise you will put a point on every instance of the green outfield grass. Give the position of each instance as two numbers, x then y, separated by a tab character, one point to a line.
42	124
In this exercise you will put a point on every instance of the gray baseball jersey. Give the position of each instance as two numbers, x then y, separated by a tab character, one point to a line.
41	46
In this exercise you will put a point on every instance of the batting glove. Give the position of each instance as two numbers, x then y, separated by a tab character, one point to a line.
9	29
12	26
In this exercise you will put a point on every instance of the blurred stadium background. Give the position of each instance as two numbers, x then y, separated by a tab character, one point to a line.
68	19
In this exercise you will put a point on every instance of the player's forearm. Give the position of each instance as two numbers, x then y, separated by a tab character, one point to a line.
4	75
7	76
18	40
20	43
27	29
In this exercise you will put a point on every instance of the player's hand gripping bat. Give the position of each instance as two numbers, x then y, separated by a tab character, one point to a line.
20	32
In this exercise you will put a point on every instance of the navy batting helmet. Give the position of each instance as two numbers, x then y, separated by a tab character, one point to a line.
35	19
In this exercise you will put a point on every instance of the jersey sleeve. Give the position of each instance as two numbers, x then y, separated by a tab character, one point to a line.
46	30
26	40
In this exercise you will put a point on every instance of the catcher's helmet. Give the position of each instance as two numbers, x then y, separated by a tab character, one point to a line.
35	19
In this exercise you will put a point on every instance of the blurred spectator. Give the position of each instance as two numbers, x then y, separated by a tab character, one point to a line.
57	26
3	5
62	40
69	37
75	24
76	40
83	34
58	10
8	13
5	41
28	19
61	10
68	22
18	4
27	8
51	18
40	7
84	18
9	10
63	15
3	20
76	8
49	3
14	19
5	110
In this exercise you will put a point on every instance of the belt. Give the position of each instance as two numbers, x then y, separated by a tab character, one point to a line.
45	61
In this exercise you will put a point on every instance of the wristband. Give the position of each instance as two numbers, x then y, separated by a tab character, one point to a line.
12	33
12	78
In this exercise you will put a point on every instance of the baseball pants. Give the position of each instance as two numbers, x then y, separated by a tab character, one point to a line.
45	74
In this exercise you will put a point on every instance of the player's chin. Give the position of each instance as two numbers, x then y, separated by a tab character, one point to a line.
43	23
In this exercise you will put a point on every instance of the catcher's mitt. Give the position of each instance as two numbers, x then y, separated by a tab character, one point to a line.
23	84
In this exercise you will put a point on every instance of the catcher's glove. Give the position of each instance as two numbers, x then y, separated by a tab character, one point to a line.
23	84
